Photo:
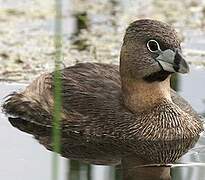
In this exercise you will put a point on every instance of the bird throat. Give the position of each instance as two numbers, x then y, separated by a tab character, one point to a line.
140	95
157	76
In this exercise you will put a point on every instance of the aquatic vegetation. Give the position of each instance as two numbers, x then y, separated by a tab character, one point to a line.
26	28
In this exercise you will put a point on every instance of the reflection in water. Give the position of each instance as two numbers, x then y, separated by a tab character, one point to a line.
78	171
74	170
81	23
189	173
118	173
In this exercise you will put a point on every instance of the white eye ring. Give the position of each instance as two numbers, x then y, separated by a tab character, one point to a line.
153	46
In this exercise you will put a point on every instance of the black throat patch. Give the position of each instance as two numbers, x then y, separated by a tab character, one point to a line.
157	76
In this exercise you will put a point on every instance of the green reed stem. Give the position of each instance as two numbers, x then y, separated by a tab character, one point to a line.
56	133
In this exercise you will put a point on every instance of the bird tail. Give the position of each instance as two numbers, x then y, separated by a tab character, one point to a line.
27	114
34	103
20	105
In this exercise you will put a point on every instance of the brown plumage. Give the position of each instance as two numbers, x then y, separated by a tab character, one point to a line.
109	117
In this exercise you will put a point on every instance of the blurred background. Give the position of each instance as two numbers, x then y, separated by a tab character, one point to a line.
92	32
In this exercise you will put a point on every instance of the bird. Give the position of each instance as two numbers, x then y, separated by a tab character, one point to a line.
126	114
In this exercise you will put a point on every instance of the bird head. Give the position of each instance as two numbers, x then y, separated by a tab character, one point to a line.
151	51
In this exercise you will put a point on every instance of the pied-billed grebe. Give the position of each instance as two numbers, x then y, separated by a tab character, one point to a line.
109	116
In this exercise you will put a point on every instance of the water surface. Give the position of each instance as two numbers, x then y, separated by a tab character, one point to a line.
22	157
26	49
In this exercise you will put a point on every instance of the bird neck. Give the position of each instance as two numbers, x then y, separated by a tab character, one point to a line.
135	168
146	173
139	95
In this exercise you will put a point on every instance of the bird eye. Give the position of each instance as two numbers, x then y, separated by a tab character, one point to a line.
153	46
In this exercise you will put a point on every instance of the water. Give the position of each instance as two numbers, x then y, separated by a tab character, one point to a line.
24	158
